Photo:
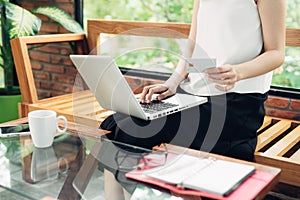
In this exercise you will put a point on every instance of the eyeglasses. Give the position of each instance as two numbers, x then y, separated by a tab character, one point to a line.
140	159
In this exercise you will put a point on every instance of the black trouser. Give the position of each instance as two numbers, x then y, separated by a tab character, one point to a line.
226	125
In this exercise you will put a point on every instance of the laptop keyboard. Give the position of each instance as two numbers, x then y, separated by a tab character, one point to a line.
155	106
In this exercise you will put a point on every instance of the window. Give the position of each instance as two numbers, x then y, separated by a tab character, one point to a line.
160	55
287	76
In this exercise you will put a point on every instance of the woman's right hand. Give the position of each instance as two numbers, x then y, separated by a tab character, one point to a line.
163	90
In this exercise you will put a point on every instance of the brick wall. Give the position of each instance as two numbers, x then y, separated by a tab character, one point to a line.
283	107
52	68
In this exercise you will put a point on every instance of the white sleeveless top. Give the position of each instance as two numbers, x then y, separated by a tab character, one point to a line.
230	31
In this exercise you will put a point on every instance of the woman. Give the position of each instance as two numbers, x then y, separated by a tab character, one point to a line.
247	38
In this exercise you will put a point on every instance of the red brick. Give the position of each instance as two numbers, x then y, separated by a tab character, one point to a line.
62	60
46	85
69	8
283	114
277	102
79	84
36	65
42	94
39	56
37	84
54	68
41	75
57	59
295	105
49	28
63	79
65	51
57	87
68	89
49	49
68	62
71	71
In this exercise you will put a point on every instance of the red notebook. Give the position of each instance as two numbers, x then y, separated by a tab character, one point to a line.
248	189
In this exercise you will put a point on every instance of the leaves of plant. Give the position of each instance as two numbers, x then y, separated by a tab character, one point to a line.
60	16
20	22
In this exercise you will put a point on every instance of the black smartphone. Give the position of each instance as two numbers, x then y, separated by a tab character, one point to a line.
15	130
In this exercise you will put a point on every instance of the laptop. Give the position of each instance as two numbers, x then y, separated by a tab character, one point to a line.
106	82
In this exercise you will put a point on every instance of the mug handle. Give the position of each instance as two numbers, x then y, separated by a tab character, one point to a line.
62	172
66	124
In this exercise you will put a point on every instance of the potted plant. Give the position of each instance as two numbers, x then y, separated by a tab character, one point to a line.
16	22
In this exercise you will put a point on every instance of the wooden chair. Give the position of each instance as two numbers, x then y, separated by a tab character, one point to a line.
74	106
63	104
278	139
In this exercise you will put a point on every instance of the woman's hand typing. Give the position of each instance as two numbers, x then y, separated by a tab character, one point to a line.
163	90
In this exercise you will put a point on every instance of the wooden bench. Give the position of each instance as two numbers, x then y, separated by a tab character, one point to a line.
279	146
278	143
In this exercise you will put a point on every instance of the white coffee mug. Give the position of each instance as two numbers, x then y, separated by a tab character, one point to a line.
43	125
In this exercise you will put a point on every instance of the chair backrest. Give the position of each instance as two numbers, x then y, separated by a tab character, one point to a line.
137	28
167	30
23	64
293	37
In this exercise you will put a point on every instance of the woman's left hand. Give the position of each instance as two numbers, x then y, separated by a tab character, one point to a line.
225	76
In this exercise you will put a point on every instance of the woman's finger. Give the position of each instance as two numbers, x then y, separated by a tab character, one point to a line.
164	95
224	88
145	92
149	91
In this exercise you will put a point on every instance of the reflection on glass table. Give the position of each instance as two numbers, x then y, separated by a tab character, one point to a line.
45	165
35	173
75	167
117	159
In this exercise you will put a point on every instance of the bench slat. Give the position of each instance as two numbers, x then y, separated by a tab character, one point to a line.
62	101
296	156
290	170
271	133
285	144
85	108
88	108
267	122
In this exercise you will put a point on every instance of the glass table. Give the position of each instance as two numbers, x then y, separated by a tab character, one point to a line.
73	167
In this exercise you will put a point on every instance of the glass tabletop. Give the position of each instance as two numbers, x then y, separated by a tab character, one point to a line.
85	164
35	173
27	172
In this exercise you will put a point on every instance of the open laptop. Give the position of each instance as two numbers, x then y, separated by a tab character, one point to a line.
106	82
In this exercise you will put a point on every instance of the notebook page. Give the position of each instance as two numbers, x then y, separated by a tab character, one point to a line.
219	178
178	169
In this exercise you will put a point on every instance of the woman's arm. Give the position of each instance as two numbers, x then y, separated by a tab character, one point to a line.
180	69
272	15
170	86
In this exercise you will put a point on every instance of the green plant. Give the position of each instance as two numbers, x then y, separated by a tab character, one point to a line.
16	22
